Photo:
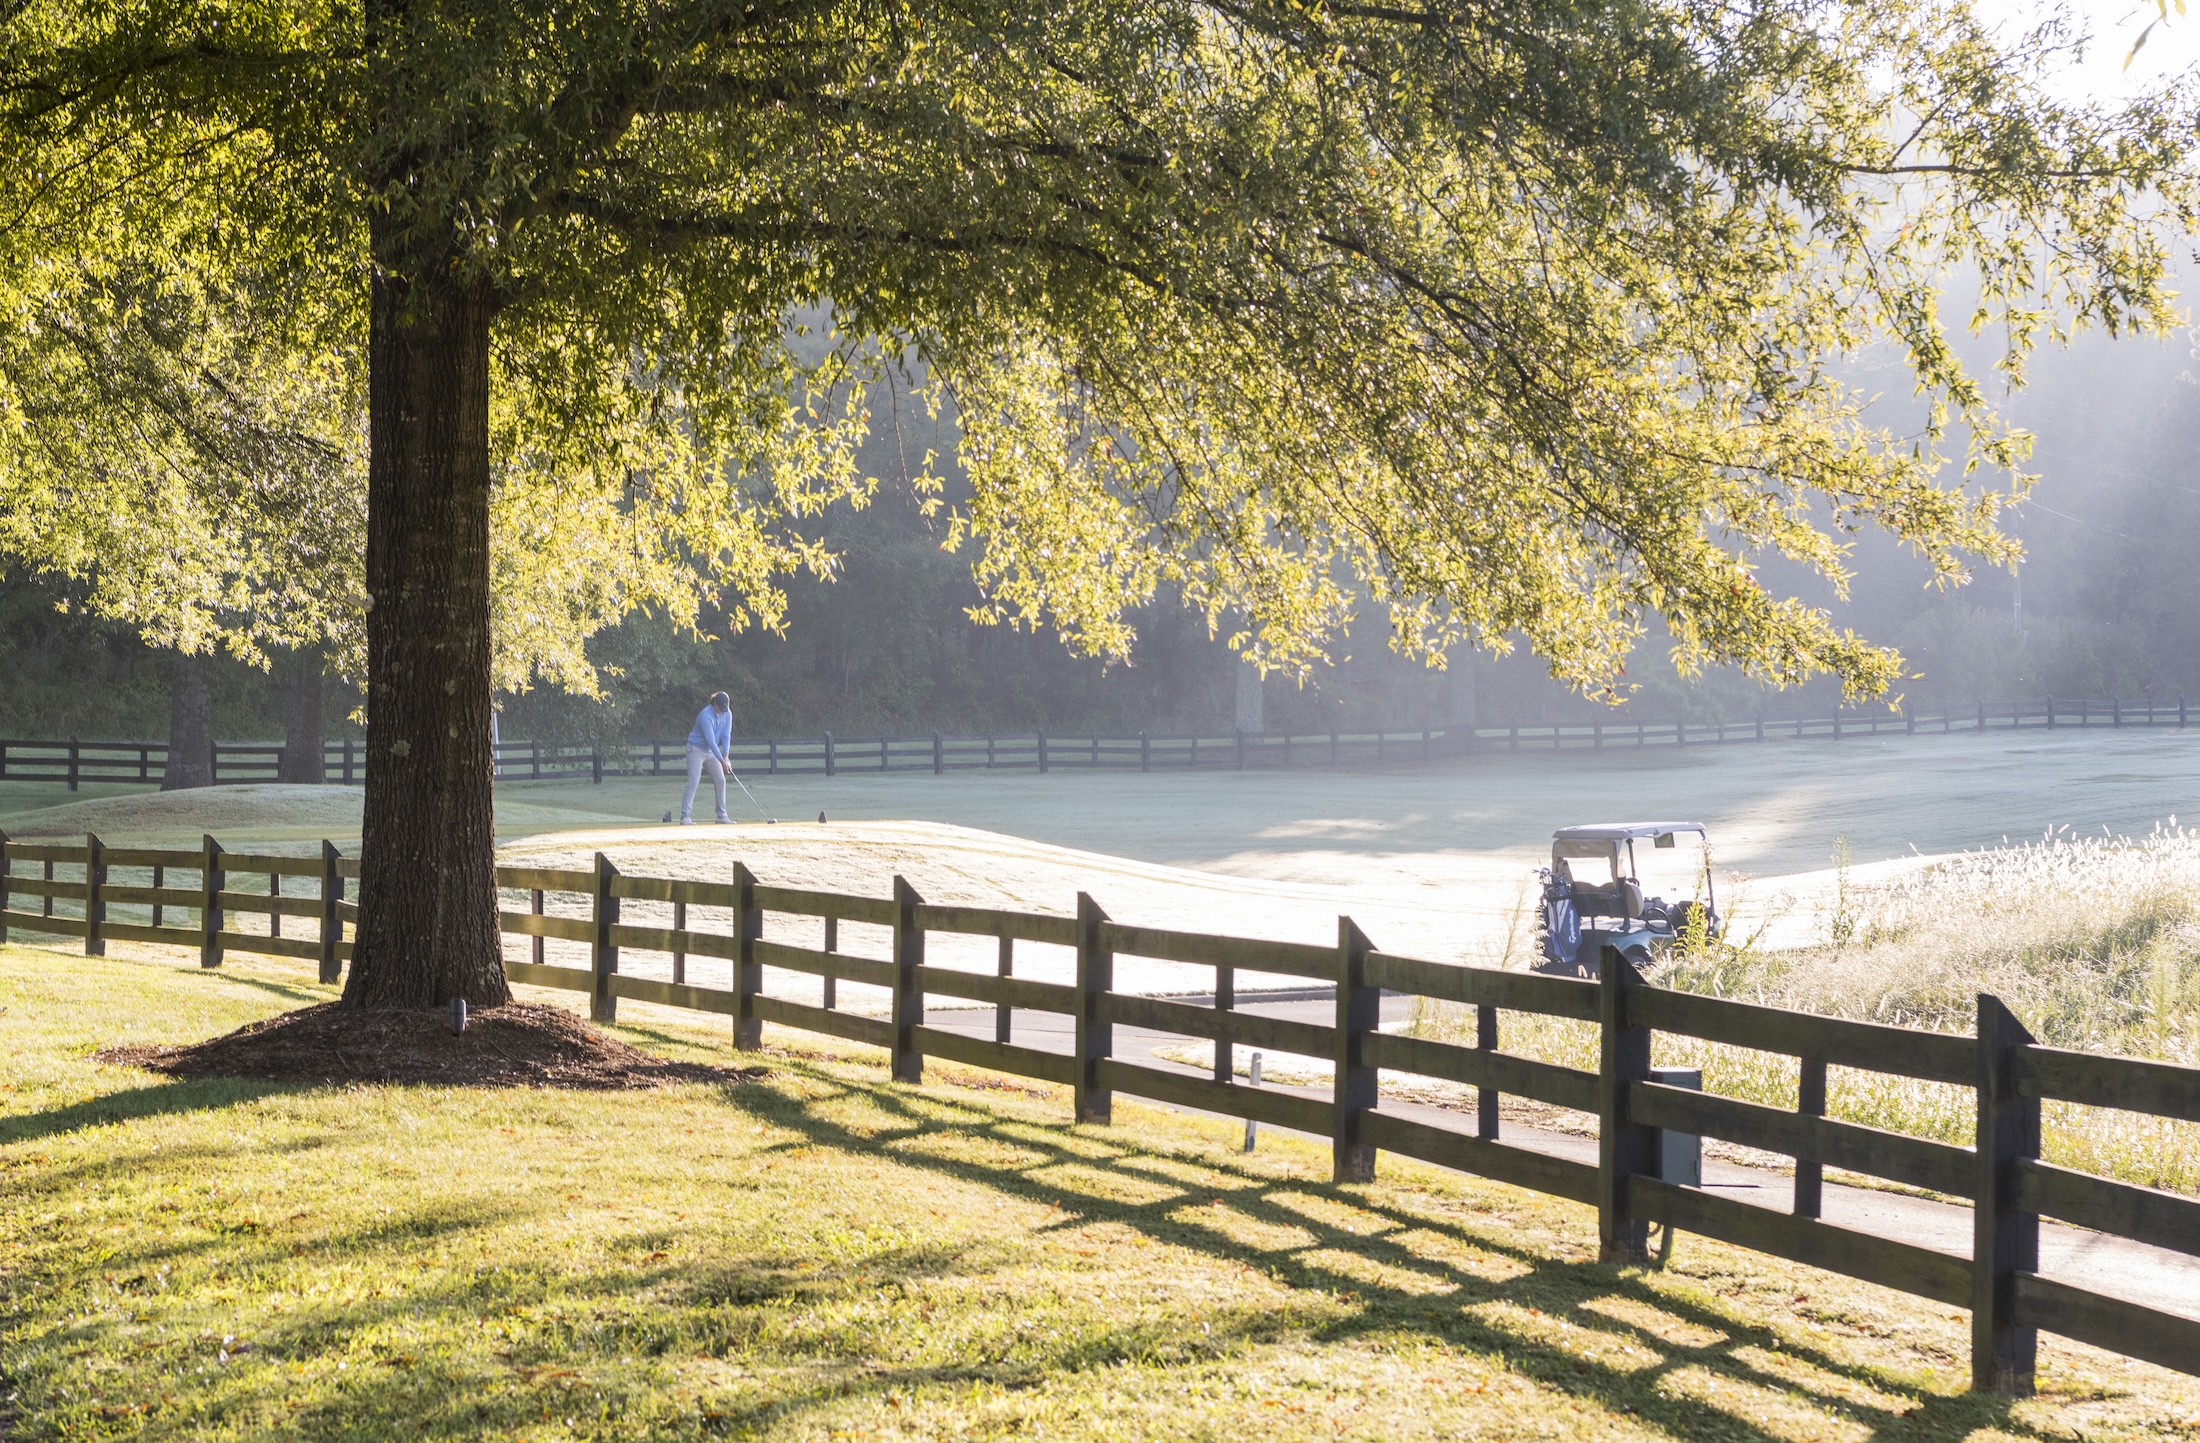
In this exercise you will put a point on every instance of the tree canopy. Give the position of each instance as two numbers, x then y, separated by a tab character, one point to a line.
1522	320
1528	320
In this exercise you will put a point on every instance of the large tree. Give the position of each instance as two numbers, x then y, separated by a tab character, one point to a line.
1522	319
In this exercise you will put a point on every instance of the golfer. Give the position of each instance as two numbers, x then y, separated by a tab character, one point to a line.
709	745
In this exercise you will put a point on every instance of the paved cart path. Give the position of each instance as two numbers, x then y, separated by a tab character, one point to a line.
2152	1276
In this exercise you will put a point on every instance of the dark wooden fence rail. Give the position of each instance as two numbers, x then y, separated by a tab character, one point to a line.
344	762
2002	1175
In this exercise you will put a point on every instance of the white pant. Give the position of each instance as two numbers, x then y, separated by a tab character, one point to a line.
698	759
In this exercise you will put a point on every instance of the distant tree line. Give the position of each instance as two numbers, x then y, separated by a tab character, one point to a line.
2106	608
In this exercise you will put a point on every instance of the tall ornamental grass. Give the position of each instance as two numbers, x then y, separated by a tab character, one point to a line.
2093	941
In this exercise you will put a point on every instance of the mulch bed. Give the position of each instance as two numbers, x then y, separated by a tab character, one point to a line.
511	1046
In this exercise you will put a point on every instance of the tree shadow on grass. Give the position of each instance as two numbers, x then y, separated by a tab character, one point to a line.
1381	1265
1518	1318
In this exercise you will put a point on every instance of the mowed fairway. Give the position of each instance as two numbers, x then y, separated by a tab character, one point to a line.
815	1253
1433	861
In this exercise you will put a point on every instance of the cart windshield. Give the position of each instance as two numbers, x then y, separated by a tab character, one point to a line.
1594	861
1673	865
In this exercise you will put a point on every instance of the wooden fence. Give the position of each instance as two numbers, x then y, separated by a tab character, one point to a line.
344	762
2002	1175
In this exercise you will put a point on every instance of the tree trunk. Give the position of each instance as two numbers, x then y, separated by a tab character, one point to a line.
190	726
427	895
305	740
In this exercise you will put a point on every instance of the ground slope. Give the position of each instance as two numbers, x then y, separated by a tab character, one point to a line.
820	1254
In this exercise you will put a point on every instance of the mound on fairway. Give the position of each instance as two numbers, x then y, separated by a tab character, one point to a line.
255	815
1481	915
256	809
513	1046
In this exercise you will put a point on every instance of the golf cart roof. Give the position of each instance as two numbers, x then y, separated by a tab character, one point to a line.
1622	831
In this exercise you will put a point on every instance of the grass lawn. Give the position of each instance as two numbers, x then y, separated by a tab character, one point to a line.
820	1254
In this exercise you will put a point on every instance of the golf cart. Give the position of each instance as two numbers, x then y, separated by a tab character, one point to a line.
1596	883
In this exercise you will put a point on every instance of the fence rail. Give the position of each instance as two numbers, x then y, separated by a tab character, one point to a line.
345	763
74	891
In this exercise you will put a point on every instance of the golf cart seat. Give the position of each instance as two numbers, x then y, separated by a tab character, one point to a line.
1622	898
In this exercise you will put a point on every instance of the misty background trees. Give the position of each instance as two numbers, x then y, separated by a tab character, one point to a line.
2107	607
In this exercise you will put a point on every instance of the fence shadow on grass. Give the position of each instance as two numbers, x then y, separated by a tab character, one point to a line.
1437	1304
1347	1243
274	987
159	1100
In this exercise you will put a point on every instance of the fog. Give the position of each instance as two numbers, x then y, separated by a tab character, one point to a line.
2104	604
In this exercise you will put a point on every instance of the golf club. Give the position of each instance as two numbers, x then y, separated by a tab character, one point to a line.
744	786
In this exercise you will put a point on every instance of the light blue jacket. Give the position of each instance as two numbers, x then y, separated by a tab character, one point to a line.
713	732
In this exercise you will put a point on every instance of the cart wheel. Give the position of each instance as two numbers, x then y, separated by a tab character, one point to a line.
1639	957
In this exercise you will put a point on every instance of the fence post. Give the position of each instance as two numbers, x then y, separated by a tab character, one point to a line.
748	974
602	1005
2051	713
939	755
332	913
210	904
1981	713
1760	723
2115	711
1241	748
95	901
595	764
2006	1241
1624	1149
6	868
828	754
1359	1012
908	1062
1425	734
2180	710
1095	1034
1145	751
73	774
1225	1037
1485	1097
1810	1101
1042	751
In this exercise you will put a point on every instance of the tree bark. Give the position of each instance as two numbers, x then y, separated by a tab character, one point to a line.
190	726
305	737
427	927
